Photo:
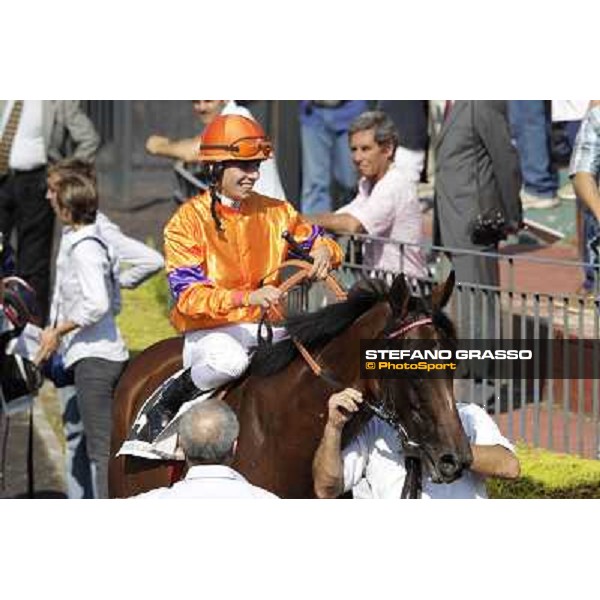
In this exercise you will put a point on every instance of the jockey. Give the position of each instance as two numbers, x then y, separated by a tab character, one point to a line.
219	246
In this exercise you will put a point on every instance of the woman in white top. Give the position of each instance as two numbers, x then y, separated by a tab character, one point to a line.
85	301
137	262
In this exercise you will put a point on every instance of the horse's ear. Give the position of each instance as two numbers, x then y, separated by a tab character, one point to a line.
399	296
441	293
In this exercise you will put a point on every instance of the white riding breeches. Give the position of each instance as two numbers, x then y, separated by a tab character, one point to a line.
219	355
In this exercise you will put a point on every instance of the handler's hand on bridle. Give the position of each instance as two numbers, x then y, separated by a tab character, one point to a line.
342	406
265	296
322	262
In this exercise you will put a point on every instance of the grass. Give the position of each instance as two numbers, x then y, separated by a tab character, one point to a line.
550	475
144	316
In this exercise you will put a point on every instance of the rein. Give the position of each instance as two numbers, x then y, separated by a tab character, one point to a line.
412	487
297	278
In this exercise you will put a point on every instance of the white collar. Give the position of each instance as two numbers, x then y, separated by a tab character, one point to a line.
235	204
74	235
213	472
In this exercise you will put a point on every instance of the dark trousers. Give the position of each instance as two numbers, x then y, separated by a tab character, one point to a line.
477	305
95	382
24	207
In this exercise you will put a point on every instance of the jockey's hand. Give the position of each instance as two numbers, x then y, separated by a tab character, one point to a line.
265	296
342	406
49	342
322	262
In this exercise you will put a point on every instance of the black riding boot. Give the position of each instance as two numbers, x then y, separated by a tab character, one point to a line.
173	396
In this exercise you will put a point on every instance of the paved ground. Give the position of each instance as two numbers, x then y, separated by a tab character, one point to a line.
48	479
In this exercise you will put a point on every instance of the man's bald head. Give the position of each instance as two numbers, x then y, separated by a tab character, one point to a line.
207	433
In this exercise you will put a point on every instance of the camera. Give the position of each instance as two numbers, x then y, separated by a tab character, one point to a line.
488	229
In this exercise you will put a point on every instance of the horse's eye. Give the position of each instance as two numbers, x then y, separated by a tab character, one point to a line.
415	396
417	383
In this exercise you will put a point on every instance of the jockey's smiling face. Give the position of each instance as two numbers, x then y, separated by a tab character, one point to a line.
371	159
239	177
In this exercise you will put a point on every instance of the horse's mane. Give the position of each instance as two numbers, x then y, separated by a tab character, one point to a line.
315	329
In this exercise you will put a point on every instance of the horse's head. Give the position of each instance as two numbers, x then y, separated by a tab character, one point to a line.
423	406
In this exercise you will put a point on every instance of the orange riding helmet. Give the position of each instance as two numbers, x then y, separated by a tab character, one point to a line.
233	137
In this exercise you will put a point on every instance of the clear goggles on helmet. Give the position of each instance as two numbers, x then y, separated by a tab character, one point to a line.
250	147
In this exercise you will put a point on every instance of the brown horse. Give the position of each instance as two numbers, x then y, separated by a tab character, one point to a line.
282	405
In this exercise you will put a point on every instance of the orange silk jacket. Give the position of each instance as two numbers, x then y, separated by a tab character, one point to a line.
211	273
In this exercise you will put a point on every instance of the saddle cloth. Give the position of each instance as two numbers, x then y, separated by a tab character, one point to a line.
165	445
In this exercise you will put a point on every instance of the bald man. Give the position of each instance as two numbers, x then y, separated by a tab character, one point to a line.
208	434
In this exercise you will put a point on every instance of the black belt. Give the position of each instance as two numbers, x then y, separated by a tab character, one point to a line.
16	172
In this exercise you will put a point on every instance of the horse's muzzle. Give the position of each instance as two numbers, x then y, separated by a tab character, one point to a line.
450	468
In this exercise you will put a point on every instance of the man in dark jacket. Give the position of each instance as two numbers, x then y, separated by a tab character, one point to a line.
477	175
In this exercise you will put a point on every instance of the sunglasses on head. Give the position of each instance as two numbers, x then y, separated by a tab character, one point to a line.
244	147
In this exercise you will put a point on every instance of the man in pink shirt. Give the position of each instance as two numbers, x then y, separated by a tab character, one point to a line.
386	206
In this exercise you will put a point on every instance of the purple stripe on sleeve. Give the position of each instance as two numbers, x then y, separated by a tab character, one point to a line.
307	244
180	279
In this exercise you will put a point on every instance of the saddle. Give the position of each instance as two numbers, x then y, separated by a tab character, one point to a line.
165	445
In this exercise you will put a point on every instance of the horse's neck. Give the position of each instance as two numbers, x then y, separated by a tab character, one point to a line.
341	356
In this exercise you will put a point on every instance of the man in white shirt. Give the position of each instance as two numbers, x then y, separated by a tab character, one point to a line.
187	150
387	204
208	435
36	132
373	463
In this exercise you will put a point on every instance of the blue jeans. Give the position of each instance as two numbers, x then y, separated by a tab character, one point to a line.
591	235
325	153
591	230
78	468
531	129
